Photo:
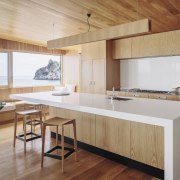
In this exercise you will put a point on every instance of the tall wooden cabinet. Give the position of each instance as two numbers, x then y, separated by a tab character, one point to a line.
93	76
93	67
98	70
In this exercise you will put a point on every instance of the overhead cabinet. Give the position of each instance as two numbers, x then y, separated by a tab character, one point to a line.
122	48
160	44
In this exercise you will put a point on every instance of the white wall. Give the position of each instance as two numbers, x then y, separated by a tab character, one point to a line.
160	73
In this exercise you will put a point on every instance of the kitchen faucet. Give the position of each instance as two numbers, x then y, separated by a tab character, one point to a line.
113	90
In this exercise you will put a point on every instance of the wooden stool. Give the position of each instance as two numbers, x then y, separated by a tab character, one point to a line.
35	121
56	121
26	114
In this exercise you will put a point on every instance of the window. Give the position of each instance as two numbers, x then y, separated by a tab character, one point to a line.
36	69
3	69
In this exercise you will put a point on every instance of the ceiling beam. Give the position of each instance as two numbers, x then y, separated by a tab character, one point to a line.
113	32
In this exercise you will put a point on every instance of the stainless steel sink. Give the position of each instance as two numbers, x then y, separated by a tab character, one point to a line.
118	98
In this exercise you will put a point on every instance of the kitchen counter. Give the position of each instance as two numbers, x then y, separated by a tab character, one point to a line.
150	111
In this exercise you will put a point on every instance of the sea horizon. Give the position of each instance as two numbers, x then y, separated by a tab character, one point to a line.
28	81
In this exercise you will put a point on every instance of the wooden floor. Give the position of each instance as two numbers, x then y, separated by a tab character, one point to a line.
14	164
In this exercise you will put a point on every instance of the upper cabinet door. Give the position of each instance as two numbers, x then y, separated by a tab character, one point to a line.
122	49
99	76
94	50
86	76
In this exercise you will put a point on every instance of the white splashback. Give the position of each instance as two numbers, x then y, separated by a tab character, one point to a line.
159	73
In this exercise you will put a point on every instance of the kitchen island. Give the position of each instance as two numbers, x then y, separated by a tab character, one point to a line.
136	122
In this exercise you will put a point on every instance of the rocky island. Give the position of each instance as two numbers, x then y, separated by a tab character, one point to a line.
49	72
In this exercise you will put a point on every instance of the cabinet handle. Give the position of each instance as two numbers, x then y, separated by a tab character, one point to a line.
90	83
94	82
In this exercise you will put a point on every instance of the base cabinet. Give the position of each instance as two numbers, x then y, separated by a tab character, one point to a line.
137	141
113	135
147	144
85	124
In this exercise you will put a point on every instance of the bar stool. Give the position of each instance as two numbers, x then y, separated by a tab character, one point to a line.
59	122
37	106
27	116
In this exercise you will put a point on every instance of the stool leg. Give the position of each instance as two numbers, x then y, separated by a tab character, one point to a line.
25	134
40	115
75	139
43	143
31	127
33	120
15	129
57	136
62	145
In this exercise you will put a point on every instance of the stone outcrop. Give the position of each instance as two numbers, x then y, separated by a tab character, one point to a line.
49	72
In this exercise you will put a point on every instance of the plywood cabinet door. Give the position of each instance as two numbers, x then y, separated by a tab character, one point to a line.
99	76
113	135
85	128
147	144
94	50
93	76
122	49
86	76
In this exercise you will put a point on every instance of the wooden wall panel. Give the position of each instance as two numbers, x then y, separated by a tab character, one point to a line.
24	47
71	68
112	68
4	93
42	88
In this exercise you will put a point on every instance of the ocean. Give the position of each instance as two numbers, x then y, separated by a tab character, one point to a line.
19	81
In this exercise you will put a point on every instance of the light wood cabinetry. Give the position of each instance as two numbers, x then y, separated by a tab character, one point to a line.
98	70
94	50
122	48
93	76
93	67
85	124
113	135
86	128
153	45
137	141
147	144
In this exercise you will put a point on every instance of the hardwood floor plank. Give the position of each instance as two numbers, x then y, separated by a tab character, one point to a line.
15	165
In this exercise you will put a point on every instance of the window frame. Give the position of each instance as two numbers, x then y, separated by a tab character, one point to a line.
11	85
10	69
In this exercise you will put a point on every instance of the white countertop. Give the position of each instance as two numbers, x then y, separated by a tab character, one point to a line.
150	111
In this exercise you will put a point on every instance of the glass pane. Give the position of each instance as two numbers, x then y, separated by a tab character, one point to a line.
3	69
35	69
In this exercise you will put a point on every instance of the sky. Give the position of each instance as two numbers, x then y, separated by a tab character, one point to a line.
3	63
26	64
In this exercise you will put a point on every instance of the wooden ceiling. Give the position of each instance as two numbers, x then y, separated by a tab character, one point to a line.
32	21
